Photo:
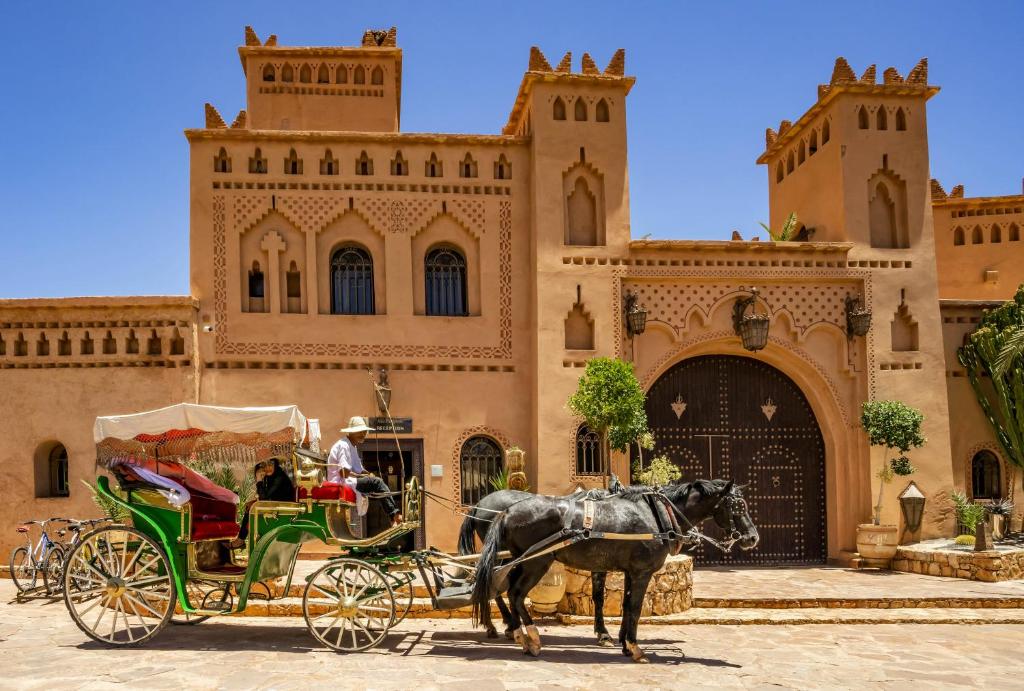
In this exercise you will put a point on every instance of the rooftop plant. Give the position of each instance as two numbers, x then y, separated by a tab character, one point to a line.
788	231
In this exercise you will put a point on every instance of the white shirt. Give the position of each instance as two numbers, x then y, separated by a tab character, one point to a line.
343	455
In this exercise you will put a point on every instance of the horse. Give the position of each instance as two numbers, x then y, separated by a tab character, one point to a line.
539	518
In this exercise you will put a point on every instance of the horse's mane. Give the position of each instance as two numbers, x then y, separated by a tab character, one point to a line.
704	487
672	490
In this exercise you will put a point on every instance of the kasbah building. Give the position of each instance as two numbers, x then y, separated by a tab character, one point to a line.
483	271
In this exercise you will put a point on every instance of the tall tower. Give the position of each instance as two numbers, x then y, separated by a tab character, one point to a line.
355	89
854	168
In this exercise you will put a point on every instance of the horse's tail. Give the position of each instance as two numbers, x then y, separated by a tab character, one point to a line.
485	573
467	545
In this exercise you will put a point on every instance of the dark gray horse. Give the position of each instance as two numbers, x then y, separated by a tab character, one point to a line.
536	518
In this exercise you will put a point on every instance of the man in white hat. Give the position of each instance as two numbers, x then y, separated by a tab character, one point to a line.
344	465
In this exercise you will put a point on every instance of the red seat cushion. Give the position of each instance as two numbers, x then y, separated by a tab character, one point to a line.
331	490
214	530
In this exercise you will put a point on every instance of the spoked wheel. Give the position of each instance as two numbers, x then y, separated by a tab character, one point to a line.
53	571
403	599
118	586
359	601
204	595
23	573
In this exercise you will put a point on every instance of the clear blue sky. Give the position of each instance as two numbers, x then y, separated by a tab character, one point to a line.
94	169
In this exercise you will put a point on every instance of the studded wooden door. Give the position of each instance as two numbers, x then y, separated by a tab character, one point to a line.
722	416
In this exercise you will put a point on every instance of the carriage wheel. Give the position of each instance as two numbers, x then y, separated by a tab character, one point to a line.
53	571
360	605
118	586
23	572
204	595
403	601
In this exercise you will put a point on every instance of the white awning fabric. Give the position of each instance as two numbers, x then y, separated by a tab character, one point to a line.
205	417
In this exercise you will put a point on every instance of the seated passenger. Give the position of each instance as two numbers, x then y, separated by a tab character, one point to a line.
272	484
344	465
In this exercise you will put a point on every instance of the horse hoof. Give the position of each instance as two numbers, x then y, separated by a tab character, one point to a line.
533	640
492	633
605	641
634	651
510	634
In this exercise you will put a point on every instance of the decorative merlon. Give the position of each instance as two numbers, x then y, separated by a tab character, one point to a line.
251	39
373	38
617	65
589	66
937	191
213	119
538	63
957	192
240	120
566	64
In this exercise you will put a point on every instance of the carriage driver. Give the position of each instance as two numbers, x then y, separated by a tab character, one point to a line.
344	465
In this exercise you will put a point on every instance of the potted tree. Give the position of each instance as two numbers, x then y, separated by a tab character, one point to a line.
894	426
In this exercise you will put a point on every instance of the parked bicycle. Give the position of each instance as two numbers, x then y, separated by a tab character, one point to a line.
53	573
46	556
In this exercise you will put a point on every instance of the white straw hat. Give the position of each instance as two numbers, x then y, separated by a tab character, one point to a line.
356	424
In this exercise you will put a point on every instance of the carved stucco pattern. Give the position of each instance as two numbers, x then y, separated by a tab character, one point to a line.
484	430
247	212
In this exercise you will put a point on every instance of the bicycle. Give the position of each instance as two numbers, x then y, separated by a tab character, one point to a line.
27	562
53	567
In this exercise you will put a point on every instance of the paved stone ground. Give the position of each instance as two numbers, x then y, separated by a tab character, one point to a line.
41	648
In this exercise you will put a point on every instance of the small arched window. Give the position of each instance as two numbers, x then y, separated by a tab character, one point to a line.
287	73
329	164
445	277
64	345
109	344
790	163
257	164
292	164
306	74
20	345
580	109
399	166
342	75
177	343
825	133
42	345
85	346
269	73
502	168
377	76
131	343
881	118
1014	233
779	172
812	146
901	120
154	345
467	168
862	118
433	167
977	237
589	452
364	164
221	162
801	155
256	281
958	236
601	111
995	234
323	75
54	482
352	281
558	109
480	461
293	281
360	75
986	476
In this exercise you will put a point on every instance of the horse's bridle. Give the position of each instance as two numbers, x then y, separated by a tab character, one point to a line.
734	535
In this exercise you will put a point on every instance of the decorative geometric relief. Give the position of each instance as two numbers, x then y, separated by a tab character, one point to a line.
249	209
310	212
470	212
769	409
376	211
420	212
678	406
398	221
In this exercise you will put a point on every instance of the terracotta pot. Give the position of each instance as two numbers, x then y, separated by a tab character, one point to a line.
546	595
877	541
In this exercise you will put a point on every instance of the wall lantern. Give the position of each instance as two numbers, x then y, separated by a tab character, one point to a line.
912	505
636	316
752	328
858	319
383	389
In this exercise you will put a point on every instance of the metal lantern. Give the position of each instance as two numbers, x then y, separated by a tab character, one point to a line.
636	316
752	328
858	319
383	389
912	505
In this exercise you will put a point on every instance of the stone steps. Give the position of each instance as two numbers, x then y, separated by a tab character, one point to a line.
421	608
732	616
861	603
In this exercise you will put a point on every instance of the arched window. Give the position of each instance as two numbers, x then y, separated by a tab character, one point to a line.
177	343
958	236
292	164
986	476
881	119
109	344
52	472
399	166
64	345
502	168
42	345
790	163
377	76
801	155
812	147
901	120
323	75
342	75
1014	233
329	164
360	75
480	461
306	74
589	452
85	346
221	162
467	169
996	234
558	109
154	346
580	109
269	73
825	132
779	172
293	282
256	281
287	73
351	281
977	237
364	164
131	344
257	164
445	276
601	112
433	167
862	118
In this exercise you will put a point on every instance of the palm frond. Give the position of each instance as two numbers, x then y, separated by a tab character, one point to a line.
1010	352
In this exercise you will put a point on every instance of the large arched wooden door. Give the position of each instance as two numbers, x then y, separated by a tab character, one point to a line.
722	416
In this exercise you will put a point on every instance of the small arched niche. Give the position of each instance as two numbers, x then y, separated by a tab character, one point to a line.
579	328
52	470
887	211
581	210
904	330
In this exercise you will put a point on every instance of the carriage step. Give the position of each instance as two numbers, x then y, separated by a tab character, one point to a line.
422	608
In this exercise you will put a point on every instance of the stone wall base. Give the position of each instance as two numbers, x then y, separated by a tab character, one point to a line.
990	565
670	592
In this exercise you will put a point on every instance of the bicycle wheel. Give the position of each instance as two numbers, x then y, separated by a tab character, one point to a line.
23	571
53	571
